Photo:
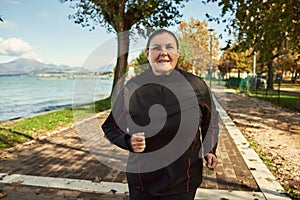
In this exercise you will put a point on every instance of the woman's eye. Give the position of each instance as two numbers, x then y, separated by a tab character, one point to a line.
158	48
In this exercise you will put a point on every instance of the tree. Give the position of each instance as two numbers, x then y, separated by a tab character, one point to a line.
190	54
194	41
231	59
140	63
266	27
225	67
227	62
288	62
120	16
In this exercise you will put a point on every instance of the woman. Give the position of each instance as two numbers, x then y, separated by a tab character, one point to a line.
160	116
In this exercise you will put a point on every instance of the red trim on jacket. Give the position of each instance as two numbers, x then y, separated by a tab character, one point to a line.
188	175
195	141
140	178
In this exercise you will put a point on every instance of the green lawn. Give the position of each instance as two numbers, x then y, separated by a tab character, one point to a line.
19	131
286	99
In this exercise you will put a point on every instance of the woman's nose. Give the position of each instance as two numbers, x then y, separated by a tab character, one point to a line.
163	52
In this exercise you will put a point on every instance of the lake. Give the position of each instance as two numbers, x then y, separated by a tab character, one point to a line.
23	96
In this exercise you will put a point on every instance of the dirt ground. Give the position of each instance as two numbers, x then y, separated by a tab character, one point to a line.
276	132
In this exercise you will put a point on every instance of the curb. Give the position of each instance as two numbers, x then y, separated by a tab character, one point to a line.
64	183
265	180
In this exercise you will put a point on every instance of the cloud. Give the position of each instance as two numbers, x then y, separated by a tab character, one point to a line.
11	1
15	47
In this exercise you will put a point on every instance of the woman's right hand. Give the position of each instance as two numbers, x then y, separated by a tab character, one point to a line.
138	142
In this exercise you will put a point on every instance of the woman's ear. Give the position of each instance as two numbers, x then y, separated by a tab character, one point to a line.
147	53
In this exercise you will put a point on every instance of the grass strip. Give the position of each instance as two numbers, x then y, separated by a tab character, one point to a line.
286	99
22	130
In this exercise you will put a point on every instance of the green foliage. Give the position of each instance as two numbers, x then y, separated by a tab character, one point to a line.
268	27
260	22
119	16
140	63
141	59
123	16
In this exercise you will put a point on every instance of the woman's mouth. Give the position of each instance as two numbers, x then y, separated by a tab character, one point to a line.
163	61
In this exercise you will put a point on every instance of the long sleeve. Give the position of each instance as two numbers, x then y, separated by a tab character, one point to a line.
209	123
115	125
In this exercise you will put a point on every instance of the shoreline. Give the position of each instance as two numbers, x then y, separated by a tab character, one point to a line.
36	114
72	78
51	109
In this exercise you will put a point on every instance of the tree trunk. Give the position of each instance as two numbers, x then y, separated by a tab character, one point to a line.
121	66
270	76
295	76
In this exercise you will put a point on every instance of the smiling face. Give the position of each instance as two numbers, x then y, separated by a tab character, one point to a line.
163	54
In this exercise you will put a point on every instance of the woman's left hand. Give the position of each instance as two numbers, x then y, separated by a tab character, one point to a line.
211	161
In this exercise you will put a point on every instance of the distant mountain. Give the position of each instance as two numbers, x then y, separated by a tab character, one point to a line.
22	65
31	66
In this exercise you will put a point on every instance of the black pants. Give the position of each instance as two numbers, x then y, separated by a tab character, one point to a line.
136	194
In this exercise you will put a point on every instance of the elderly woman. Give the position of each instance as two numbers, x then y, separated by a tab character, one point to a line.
166	118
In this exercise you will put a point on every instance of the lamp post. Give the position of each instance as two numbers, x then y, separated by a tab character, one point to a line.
210	55
254	64
254	71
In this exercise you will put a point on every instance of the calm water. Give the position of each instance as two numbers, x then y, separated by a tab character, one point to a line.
22	96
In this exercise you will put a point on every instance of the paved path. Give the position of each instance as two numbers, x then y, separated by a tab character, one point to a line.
64	161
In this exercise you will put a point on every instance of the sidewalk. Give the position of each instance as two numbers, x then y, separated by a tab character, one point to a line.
61	167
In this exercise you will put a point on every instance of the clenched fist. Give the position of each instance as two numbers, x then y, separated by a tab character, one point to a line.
138	142
211	161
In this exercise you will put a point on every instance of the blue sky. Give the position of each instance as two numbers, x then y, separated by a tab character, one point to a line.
41	30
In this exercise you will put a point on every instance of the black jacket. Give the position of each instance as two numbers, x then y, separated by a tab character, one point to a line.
176	113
